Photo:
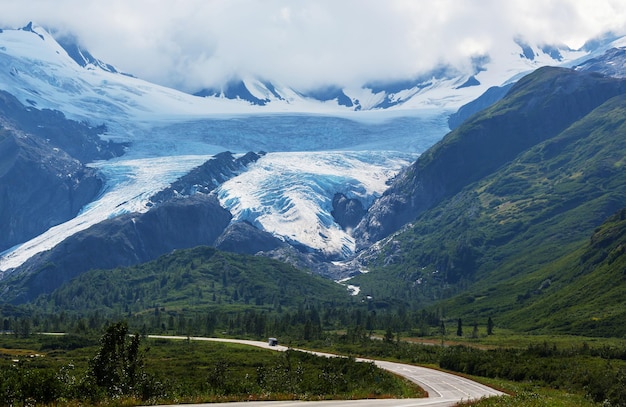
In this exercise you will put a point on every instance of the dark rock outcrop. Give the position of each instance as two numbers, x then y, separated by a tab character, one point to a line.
347	212
43	179
206	177
40	187
80	140
244	238
611	63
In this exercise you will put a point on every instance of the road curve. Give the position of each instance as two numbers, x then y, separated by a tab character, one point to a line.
444	389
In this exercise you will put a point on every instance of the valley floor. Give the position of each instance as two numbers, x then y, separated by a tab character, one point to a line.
444	389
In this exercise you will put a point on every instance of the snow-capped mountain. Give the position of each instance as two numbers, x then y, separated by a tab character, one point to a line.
319	142
42	72
171	132
443	86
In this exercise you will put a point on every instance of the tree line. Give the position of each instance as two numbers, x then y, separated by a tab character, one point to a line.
307	321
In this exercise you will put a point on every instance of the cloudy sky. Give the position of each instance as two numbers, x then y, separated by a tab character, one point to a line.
191	44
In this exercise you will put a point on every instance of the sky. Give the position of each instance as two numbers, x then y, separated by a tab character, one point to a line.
194	44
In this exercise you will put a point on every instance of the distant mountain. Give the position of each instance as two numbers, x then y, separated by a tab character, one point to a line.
239	91
148	121
83	57
443	86
310	192
413	92
611	63
60	75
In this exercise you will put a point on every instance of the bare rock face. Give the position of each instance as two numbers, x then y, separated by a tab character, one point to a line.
244	238
347	212
40	187
612	63
206	177
43	177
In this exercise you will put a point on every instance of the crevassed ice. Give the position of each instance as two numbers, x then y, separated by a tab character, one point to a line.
290	194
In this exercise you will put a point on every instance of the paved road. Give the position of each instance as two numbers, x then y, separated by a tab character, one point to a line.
444	389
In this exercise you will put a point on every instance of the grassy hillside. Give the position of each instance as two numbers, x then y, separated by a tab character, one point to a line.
587	297
198	278
515	234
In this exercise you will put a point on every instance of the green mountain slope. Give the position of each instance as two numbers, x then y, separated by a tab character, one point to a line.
537	108
507	235
197	278
588	296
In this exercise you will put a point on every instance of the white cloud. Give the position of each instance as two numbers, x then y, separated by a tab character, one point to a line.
190	44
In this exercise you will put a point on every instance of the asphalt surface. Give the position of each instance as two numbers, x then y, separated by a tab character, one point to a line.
444	389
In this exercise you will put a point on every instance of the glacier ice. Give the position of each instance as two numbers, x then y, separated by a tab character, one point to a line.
290	194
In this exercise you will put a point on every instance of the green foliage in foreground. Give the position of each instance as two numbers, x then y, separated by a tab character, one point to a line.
230	372
572	371
167	371
600	374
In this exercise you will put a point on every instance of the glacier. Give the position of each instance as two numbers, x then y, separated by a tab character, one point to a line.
315	148
290	194
306	179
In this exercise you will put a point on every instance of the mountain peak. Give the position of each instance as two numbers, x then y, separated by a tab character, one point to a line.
611	63
601	41
33	28
81	56
71	45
